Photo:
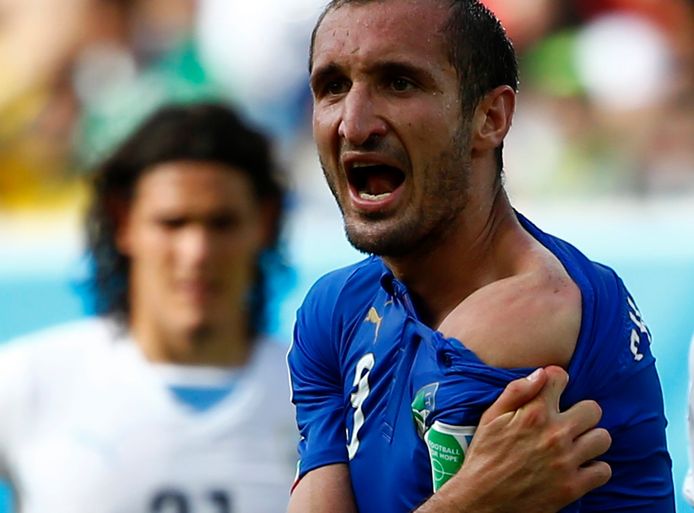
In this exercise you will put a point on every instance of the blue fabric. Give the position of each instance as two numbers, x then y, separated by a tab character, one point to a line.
200	399
360	354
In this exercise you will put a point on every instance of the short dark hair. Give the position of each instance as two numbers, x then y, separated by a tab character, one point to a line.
478	48
207	132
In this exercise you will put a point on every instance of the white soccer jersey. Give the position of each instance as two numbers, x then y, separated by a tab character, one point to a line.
688	487
87	425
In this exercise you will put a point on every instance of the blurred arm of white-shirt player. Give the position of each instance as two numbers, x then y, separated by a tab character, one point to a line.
14	388
510	460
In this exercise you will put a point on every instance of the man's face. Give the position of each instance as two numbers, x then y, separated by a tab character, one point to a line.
388	124
192	233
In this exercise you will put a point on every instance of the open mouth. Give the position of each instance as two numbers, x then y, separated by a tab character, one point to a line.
374	182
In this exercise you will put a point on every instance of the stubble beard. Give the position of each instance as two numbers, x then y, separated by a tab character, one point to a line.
420	228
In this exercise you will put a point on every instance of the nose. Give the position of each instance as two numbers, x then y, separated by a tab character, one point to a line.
360	121
195	246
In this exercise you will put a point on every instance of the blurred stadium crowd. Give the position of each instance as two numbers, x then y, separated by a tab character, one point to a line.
606	103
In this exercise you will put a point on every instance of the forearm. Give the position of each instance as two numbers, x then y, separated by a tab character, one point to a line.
472	499
465	493
326	489
452	499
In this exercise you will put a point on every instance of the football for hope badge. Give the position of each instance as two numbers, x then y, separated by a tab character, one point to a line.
446	444
447	447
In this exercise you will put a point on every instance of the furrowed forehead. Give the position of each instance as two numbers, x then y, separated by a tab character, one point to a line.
388	27
424	14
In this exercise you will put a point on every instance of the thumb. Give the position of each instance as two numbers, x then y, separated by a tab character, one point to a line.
516	394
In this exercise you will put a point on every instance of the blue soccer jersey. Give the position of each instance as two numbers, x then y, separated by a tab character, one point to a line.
369	379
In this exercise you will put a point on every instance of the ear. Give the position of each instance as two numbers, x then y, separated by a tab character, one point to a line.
492	118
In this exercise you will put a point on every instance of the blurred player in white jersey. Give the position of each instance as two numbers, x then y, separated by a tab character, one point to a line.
170	401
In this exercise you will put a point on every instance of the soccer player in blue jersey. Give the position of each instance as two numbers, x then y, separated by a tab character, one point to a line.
462	295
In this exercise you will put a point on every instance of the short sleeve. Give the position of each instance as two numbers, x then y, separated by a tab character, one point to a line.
316	384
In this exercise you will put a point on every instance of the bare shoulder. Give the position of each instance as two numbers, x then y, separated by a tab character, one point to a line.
527	320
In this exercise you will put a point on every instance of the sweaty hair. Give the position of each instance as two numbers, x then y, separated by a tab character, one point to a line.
478	49
197	132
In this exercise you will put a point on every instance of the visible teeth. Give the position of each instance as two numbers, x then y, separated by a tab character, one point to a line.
373	197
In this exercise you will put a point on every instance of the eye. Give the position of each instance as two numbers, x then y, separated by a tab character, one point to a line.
329	84
401	84
171	223
337	86
225	222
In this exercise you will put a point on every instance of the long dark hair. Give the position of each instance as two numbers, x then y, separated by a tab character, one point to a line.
199	132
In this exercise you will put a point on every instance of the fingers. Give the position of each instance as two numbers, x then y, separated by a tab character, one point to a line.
557	379
592	444
516	394
588	477
592	475
582	416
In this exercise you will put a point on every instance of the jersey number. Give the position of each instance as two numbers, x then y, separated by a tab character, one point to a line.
361	381
174	501
638	330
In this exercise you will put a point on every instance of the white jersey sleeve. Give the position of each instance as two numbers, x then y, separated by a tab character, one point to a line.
15	399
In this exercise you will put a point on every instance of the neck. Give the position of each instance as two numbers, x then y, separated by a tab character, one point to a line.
216	346
478	250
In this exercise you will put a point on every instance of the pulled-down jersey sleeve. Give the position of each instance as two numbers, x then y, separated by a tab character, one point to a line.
614	365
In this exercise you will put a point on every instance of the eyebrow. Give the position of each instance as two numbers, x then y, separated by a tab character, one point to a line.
381	68
393	68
